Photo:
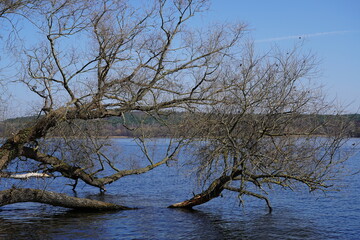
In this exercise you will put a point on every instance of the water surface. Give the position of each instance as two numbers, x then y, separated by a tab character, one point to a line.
295	215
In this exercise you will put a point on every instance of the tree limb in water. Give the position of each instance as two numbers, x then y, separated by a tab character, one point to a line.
213	191
17	195
251	194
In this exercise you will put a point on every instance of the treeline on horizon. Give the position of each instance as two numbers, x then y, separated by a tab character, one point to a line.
154	125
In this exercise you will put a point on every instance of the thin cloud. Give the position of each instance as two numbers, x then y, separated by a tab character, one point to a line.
303	36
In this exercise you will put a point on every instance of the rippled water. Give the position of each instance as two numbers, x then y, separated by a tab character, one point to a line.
295	216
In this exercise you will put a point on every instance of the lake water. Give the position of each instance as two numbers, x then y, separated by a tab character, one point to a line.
296	215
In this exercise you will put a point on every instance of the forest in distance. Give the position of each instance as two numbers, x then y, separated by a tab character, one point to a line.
117	127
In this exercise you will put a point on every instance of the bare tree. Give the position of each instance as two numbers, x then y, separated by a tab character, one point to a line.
99	59
269	128
12	6
250	120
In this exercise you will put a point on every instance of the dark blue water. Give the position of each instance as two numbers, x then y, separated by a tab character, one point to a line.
296	215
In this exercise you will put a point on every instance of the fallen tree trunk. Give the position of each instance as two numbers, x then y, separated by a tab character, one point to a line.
17	195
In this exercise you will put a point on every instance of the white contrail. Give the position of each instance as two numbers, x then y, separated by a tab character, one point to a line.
301	36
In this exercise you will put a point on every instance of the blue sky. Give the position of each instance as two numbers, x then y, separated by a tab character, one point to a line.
329	28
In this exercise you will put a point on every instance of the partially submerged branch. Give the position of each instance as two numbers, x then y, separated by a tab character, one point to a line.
15	195
213	191
245	192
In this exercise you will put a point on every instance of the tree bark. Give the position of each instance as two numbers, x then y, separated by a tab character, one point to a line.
12	148
213	191
17	195
13	145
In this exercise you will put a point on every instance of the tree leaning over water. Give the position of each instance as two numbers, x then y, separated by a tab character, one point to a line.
269	129
89	60
99	59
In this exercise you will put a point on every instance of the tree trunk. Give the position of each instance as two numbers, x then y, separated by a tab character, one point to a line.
213	191
16	195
